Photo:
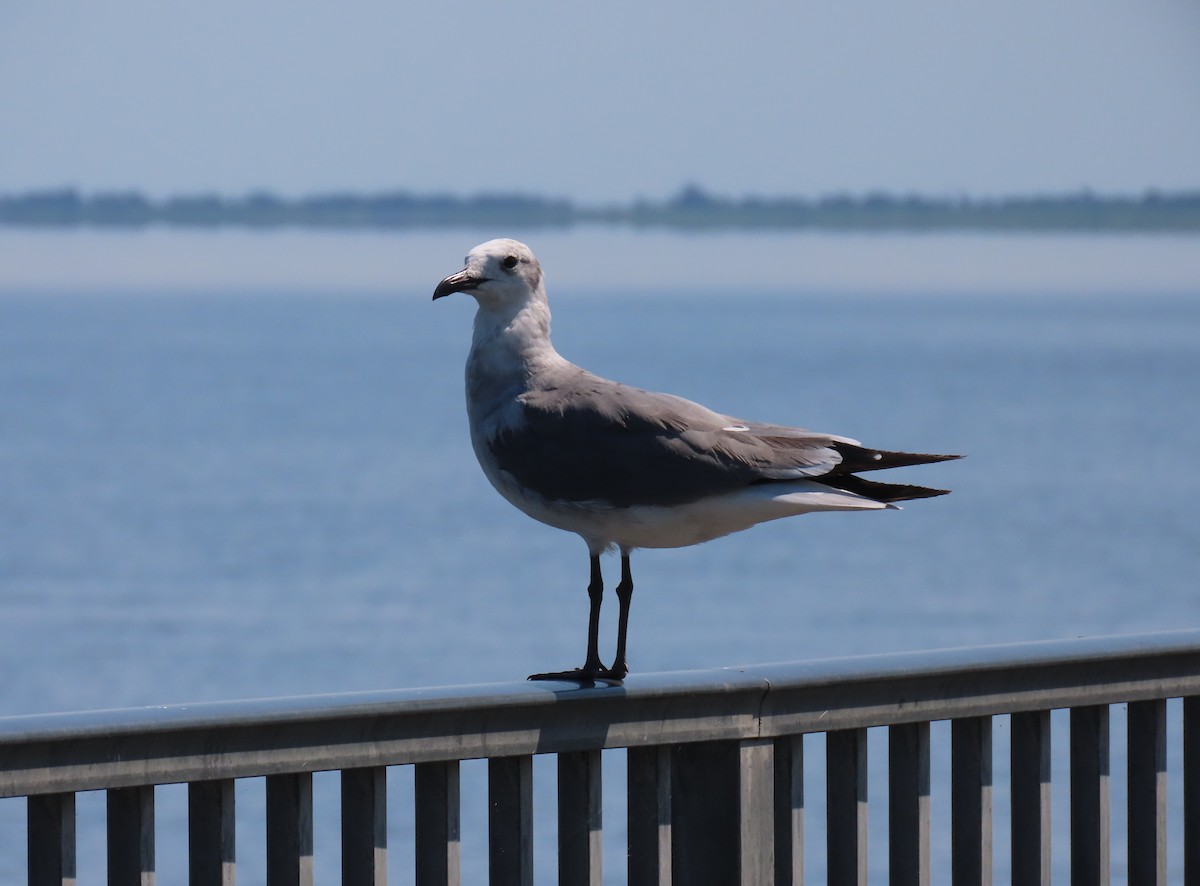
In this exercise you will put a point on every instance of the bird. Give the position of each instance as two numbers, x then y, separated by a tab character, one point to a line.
626	468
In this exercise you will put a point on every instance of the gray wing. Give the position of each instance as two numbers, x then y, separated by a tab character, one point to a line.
589	439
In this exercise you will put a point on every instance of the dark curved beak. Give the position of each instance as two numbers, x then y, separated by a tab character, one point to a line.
463	281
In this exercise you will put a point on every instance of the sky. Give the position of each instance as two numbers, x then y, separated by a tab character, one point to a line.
600	102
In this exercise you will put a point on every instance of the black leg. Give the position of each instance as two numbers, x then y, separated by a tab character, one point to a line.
593	664
593	668
620	666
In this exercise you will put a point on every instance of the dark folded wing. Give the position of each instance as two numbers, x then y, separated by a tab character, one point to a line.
594	440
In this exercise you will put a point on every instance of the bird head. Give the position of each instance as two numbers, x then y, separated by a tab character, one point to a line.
498	273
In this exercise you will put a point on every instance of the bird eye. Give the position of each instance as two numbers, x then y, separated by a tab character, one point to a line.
510	262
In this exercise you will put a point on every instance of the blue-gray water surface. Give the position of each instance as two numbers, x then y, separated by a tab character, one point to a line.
209	496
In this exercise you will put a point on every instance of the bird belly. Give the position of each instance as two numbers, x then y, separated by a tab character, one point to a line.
653	526
648	526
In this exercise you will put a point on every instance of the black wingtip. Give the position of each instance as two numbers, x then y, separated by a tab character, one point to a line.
883	492
856	459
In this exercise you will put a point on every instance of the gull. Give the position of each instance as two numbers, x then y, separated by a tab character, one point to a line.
626	468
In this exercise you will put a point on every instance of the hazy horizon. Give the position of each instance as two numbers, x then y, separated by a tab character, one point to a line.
669	195
408	263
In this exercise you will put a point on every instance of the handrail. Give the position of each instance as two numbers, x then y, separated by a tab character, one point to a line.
53	753
714	766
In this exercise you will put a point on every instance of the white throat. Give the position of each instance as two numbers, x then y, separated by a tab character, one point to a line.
509	346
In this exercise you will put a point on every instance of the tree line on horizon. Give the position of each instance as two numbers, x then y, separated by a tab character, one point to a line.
692	207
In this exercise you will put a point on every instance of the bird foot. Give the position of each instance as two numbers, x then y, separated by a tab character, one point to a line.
583	675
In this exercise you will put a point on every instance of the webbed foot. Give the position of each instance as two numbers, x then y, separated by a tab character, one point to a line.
583	675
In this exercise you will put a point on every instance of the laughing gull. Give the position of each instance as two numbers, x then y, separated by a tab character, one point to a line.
626	468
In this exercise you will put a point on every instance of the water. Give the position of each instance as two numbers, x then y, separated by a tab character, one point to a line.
216	494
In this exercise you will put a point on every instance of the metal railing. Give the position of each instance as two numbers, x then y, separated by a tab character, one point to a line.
715	786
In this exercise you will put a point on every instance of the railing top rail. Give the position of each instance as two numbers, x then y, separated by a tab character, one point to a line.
85	750
963	662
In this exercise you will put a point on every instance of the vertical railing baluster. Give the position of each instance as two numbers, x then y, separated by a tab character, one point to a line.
131	836
580	819
364	826
723	812
510	820
648	785
908	804
756	811
703	805
1191	790
211	833
789	810
436	786
289	830
702	795
846	804
1030	791
1090	796
1147	774
50	833
971	801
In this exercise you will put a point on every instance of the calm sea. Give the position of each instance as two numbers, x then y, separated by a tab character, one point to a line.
211	494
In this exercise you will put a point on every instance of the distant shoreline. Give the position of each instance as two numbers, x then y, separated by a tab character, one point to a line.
691	209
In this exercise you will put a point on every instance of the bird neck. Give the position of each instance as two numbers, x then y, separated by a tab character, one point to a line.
516	336
508	350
